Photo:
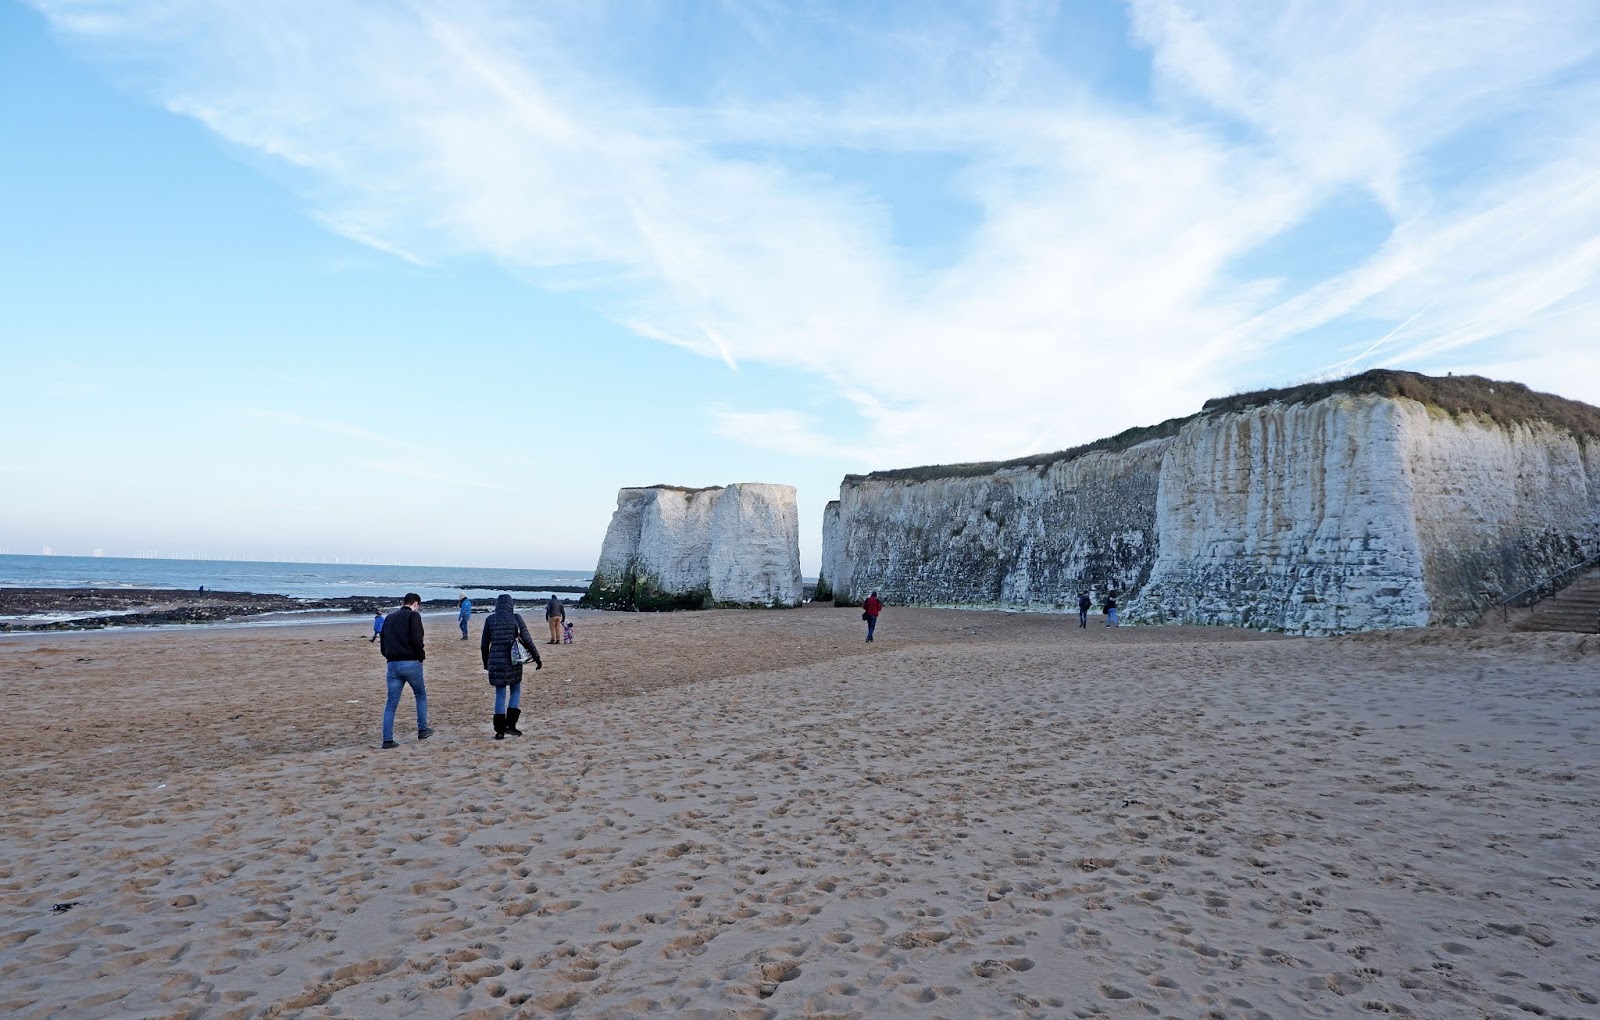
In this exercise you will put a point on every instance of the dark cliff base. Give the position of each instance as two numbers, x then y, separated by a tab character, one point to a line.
630	596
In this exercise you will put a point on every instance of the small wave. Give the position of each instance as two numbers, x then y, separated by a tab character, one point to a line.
29	618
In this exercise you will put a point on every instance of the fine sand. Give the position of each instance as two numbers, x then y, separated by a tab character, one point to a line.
757	815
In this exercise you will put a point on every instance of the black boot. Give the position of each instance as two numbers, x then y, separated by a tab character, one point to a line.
512	715
499	726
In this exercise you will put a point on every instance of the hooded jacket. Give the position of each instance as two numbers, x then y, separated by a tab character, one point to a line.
502	629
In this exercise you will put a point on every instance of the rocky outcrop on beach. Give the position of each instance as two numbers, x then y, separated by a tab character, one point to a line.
670	547
53	609
1385	500
46	609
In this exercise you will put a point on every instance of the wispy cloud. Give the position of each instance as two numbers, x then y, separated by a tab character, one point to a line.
784	431
1096	287
421	474
299	422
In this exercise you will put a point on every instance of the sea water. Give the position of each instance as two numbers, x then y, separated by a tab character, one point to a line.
298	580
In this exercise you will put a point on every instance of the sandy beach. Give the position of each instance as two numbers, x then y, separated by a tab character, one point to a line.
754	814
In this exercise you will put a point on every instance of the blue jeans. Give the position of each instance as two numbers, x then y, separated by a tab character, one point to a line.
1111	617
400	674
463	621
1083	618
504	700
872	625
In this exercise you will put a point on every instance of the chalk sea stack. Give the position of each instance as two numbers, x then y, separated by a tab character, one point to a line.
1388	499
670	547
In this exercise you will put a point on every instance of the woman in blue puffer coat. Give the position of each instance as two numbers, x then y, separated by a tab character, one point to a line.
502	631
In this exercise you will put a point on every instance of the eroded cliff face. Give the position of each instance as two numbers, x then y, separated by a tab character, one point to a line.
1295	518
830	551
1351	512
755	546
1363	513
1498	508
1023	538
675	548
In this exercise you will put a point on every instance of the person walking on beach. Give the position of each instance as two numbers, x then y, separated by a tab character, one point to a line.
463	614
869	612
555	614
1083	609
377	626
1111	610
401	639
503	631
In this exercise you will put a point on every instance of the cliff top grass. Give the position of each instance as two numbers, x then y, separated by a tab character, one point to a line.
1509	403
677	488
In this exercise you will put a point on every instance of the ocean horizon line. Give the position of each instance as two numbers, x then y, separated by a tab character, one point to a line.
333	562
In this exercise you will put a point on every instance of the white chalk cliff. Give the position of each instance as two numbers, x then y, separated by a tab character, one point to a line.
669	547
830	546
1351	511
1017	537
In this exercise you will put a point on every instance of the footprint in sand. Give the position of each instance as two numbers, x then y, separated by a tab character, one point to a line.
921	939
920	995
580	971
1002	968
771	975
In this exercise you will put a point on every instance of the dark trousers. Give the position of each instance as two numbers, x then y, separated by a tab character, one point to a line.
1083	618
872	625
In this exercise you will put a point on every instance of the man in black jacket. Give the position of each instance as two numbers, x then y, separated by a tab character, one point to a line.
401	641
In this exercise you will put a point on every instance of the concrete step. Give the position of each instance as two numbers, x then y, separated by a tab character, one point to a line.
1560	627
1576	608
1566	607
1563	609
1564	622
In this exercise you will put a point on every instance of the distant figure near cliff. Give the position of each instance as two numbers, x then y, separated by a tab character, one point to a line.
1084	604
555	614
869	612
1111	609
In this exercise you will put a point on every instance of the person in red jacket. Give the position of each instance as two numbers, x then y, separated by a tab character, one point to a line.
869	612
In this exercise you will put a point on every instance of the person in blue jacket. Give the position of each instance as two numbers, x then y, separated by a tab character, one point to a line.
377	627
463	614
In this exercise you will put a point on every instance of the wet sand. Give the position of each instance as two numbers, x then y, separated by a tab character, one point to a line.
754	814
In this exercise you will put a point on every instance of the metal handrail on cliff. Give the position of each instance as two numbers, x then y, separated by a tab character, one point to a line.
1505	604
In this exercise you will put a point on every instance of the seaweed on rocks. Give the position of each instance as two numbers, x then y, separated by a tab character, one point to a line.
99	608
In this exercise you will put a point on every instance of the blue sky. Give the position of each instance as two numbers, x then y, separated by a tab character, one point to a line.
428	282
